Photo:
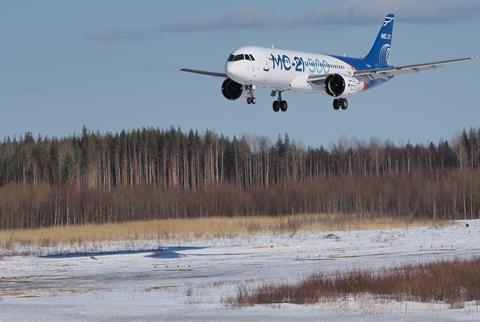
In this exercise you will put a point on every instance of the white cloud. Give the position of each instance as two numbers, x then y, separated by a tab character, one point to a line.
413	11
349	12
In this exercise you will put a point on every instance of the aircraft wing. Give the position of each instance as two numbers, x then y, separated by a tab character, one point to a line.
394	71
370	74
203	72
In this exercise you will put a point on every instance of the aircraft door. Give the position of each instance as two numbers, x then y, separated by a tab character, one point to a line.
264	68
254	72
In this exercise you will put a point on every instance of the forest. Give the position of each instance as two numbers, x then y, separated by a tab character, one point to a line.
153	173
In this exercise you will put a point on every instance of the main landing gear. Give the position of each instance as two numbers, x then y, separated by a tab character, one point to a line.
340	103
279	104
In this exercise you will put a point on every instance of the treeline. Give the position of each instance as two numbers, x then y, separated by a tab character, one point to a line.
174	159
153	173
452	195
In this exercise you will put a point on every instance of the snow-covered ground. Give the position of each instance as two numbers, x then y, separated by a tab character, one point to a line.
189	280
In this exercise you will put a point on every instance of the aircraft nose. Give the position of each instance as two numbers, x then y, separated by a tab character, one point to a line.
233	70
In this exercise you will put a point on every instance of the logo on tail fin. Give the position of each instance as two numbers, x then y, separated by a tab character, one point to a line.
388	20
384	55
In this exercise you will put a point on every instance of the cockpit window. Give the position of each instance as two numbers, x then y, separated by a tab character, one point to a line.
239	57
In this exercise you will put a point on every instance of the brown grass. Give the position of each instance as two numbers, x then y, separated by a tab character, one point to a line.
197	228
453	282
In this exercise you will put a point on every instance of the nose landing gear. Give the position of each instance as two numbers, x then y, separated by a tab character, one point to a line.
250	91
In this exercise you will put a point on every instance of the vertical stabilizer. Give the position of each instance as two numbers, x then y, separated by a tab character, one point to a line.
379	55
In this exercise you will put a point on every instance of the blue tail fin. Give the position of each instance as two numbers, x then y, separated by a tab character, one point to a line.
379	55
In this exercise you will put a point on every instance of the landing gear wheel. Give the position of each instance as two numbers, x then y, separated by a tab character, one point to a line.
344	104
279	104
276	106
249	100
253	100
336	104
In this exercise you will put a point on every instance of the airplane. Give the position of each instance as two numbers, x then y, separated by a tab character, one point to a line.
293	71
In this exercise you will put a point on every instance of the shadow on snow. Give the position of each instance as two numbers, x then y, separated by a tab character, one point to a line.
162	252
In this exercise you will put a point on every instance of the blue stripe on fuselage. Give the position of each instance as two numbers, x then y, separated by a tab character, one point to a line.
359	63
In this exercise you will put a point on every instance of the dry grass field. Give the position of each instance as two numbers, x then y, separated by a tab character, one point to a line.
453	282
199	228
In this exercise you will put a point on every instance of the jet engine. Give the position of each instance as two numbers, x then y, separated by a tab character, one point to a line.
338	85
232	90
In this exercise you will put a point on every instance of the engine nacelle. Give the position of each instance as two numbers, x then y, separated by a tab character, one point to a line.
338	85
232	90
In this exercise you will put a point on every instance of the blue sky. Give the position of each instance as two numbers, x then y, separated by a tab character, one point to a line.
113	65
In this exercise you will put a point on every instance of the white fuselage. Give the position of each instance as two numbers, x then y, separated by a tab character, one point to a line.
282	69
